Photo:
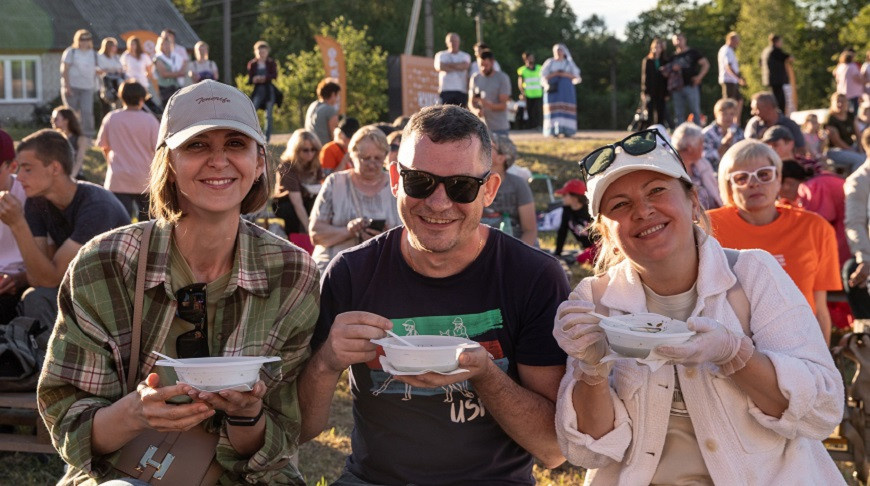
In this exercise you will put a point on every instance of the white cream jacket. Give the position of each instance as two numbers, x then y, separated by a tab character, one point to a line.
739	443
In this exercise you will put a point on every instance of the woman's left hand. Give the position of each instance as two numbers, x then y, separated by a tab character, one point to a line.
235	403
712	343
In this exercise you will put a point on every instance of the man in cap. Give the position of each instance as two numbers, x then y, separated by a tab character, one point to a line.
13	277
59	216
486	421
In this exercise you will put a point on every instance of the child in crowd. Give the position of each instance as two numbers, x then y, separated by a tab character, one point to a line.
813	135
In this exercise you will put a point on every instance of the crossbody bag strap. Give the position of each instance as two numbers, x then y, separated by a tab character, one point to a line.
736	295
138	303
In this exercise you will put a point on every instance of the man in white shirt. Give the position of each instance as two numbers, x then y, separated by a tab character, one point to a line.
729	71
452	66
13	277
179	56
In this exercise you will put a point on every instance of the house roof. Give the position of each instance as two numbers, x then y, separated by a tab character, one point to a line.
49	25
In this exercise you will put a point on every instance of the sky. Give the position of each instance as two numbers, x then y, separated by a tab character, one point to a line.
616	13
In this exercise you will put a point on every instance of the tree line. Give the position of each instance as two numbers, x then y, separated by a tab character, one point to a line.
814	32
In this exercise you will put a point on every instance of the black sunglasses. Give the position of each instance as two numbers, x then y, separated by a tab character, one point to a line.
639	143
191	308
459	188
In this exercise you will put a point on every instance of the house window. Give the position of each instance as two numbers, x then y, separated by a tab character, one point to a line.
20	79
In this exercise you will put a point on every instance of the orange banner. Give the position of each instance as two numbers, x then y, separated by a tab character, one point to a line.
419	84
146	37
333	64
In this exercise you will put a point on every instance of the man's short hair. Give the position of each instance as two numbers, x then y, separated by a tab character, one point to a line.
260	44
49	146
730	36
526	54
481	45
773	39
486	54
449	123
132	93
168	31
348	126
724	104
327	87
764	97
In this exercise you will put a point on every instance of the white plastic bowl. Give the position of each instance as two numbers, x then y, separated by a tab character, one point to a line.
429	353
218	373
635	335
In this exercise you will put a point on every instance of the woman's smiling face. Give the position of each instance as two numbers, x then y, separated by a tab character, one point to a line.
650	216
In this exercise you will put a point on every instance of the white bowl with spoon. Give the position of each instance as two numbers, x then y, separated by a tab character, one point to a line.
635	335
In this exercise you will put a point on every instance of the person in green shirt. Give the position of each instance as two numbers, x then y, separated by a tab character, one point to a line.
529	83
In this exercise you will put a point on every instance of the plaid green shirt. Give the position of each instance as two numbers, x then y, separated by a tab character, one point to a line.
269	308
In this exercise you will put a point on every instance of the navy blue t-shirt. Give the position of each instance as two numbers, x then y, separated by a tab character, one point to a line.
506	300
92	211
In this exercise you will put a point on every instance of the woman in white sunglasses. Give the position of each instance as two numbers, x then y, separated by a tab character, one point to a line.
750	177
746	400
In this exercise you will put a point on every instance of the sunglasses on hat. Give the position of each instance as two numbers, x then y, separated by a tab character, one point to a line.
461	189
192	308
639	143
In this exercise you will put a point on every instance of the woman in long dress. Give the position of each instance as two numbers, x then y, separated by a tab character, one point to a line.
560	74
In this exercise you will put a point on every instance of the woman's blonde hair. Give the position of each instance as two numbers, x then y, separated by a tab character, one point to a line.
608	251
164	193
77	37
739	153
294	144
369	133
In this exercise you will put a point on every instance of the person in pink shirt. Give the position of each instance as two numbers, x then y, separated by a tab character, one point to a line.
13	277
849	79
127	138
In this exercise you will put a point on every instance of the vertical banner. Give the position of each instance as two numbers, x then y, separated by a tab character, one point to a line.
419	83
333	64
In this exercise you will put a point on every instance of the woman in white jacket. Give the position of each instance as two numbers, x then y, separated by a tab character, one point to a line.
747	400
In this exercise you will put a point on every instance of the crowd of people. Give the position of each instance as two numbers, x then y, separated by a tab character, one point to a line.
424	226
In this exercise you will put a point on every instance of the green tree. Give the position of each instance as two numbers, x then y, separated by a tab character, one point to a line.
366	66
857	32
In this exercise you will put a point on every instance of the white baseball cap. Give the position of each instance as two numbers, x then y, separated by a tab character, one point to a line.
207	105
661	159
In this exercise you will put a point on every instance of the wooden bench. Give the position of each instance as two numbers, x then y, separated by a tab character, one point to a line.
19	409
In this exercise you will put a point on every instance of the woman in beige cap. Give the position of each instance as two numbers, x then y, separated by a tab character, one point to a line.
747	399
215	285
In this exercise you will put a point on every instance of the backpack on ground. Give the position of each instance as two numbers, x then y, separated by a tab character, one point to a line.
23	344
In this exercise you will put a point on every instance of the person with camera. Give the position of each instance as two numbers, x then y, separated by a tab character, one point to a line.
354	205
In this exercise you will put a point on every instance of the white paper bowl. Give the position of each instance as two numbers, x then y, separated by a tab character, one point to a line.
218	373
633	335
430	353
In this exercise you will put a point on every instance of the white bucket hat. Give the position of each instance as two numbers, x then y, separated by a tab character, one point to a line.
661	159
207	105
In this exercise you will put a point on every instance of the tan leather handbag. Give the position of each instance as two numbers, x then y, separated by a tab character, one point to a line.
164	458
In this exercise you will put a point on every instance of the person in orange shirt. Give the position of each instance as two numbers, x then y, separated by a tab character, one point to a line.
333	155
803	242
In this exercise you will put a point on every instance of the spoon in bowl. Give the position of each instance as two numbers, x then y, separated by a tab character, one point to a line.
401	339
171	360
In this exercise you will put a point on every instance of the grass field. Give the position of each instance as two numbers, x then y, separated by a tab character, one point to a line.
322	459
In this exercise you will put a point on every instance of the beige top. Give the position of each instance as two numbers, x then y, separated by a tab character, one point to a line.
681	462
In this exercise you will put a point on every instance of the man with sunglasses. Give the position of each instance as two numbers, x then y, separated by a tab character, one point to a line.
442	273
